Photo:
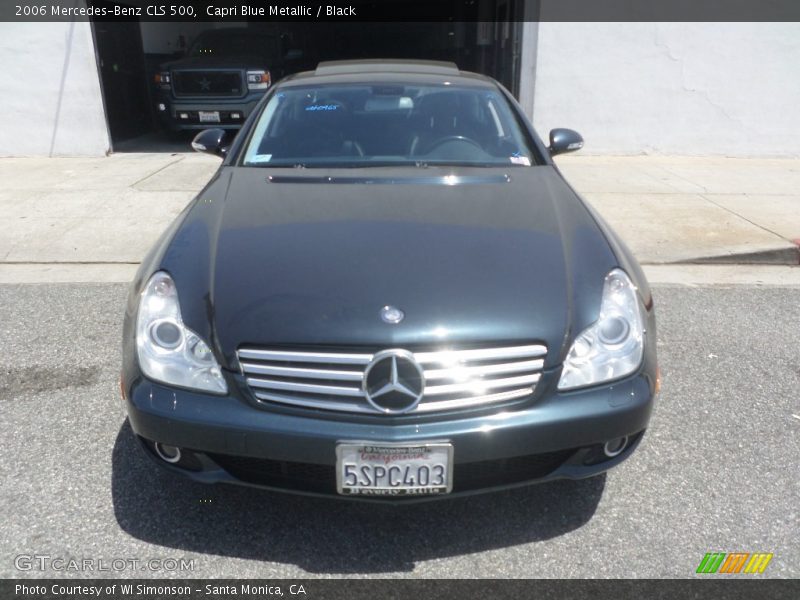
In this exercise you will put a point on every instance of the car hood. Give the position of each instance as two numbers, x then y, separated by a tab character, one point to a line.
208	62
501	257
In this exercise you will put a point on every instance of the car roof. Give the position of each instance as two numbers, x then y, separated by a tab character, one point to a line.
376	65
381	70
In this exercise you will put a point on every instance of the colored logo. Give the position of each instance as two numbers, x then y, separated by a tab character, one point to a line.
734	562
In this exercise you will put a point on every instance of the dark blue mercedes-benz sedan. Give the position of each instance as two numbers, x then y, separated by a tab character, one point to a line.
388	291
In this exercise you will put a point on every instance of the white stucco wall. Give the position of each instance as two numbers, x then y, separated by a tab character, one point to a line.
50	98
729	89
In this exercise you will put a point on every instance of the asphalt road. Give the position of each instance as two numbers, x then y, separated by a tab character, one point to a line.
717	471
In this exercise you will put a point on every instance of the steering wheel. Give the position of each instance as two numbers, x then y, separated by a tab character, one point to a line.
453	138
352	148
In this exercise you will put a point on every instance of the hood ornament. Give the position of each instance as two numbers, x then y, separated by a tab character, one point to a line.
392	315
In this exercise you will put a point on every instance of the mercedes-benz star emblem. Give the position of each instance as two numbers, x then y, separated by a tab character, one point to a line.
394	382
392	315
205	84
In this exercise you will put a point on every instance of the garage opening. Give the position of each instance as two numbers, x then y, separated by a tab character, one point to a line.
132	57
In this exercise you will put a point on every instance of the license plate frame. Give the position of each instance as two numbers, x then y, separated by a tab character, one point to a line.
208	116
435	451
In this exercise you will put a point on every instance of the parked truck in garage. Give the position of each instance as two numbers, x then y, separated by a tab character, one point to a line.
221	78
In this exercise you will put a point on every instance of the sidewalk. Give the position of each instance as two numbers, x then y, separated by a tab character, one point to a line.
93	219
696	210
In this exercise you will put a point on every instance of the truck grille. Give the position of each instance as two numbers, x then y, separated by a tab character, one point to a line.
453	379
207	83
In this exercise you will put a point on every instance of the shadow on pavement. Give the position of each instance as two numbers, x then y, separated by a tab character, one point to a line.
331	536
169	142
157	142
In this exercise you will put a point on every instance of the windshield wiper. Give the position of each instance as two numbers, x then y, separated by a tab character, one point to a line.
392	180
418	164
264	165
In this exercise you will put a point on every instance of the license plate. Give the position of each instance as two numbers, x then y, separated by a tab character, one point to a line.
209	116
379	469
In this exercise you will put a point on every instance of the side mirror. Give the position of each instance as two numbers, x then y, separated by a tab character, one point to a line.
564	140
210	141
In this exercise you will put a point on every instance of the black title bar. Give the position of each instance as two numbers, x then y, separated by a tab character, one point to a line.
333	11
399	589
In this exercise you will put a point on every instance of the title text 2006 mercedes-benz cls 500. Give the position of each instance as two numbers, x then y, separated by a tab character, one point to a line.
388	290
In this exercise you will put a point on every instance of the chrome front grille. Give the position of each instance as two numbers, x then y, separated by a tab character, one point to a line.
453	379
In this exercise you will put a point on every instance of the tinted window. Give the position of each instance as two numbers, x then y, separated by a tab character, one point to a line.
376	125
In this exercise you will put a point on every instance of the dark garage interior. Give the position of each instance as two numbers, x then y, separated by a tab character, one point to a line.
129	55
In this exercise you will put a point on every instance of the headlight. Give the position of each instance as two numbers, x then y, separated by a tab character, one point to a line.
163	78
258	80
169	351
613	346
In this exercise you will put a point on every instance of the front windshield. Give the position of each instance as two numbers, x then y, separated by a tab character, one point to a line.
361	125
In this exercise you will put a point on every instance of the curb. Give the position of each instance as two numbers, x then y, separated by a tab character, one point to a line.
789	256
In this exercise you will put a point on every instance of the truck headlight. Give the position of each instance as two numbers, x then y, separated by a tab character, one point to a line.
613	346
164	79
168	351
258	80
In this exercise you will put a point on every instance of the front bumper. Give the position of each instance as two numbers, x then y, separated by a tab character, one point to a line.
170	111
556	436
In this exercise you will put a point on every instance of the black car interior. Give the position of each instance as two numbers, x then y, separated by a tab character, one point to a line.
385	123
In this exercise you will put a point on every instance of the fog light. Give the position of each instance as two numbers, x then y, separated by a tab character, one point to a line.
615	447
236	116
162	107
184	115
170	454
